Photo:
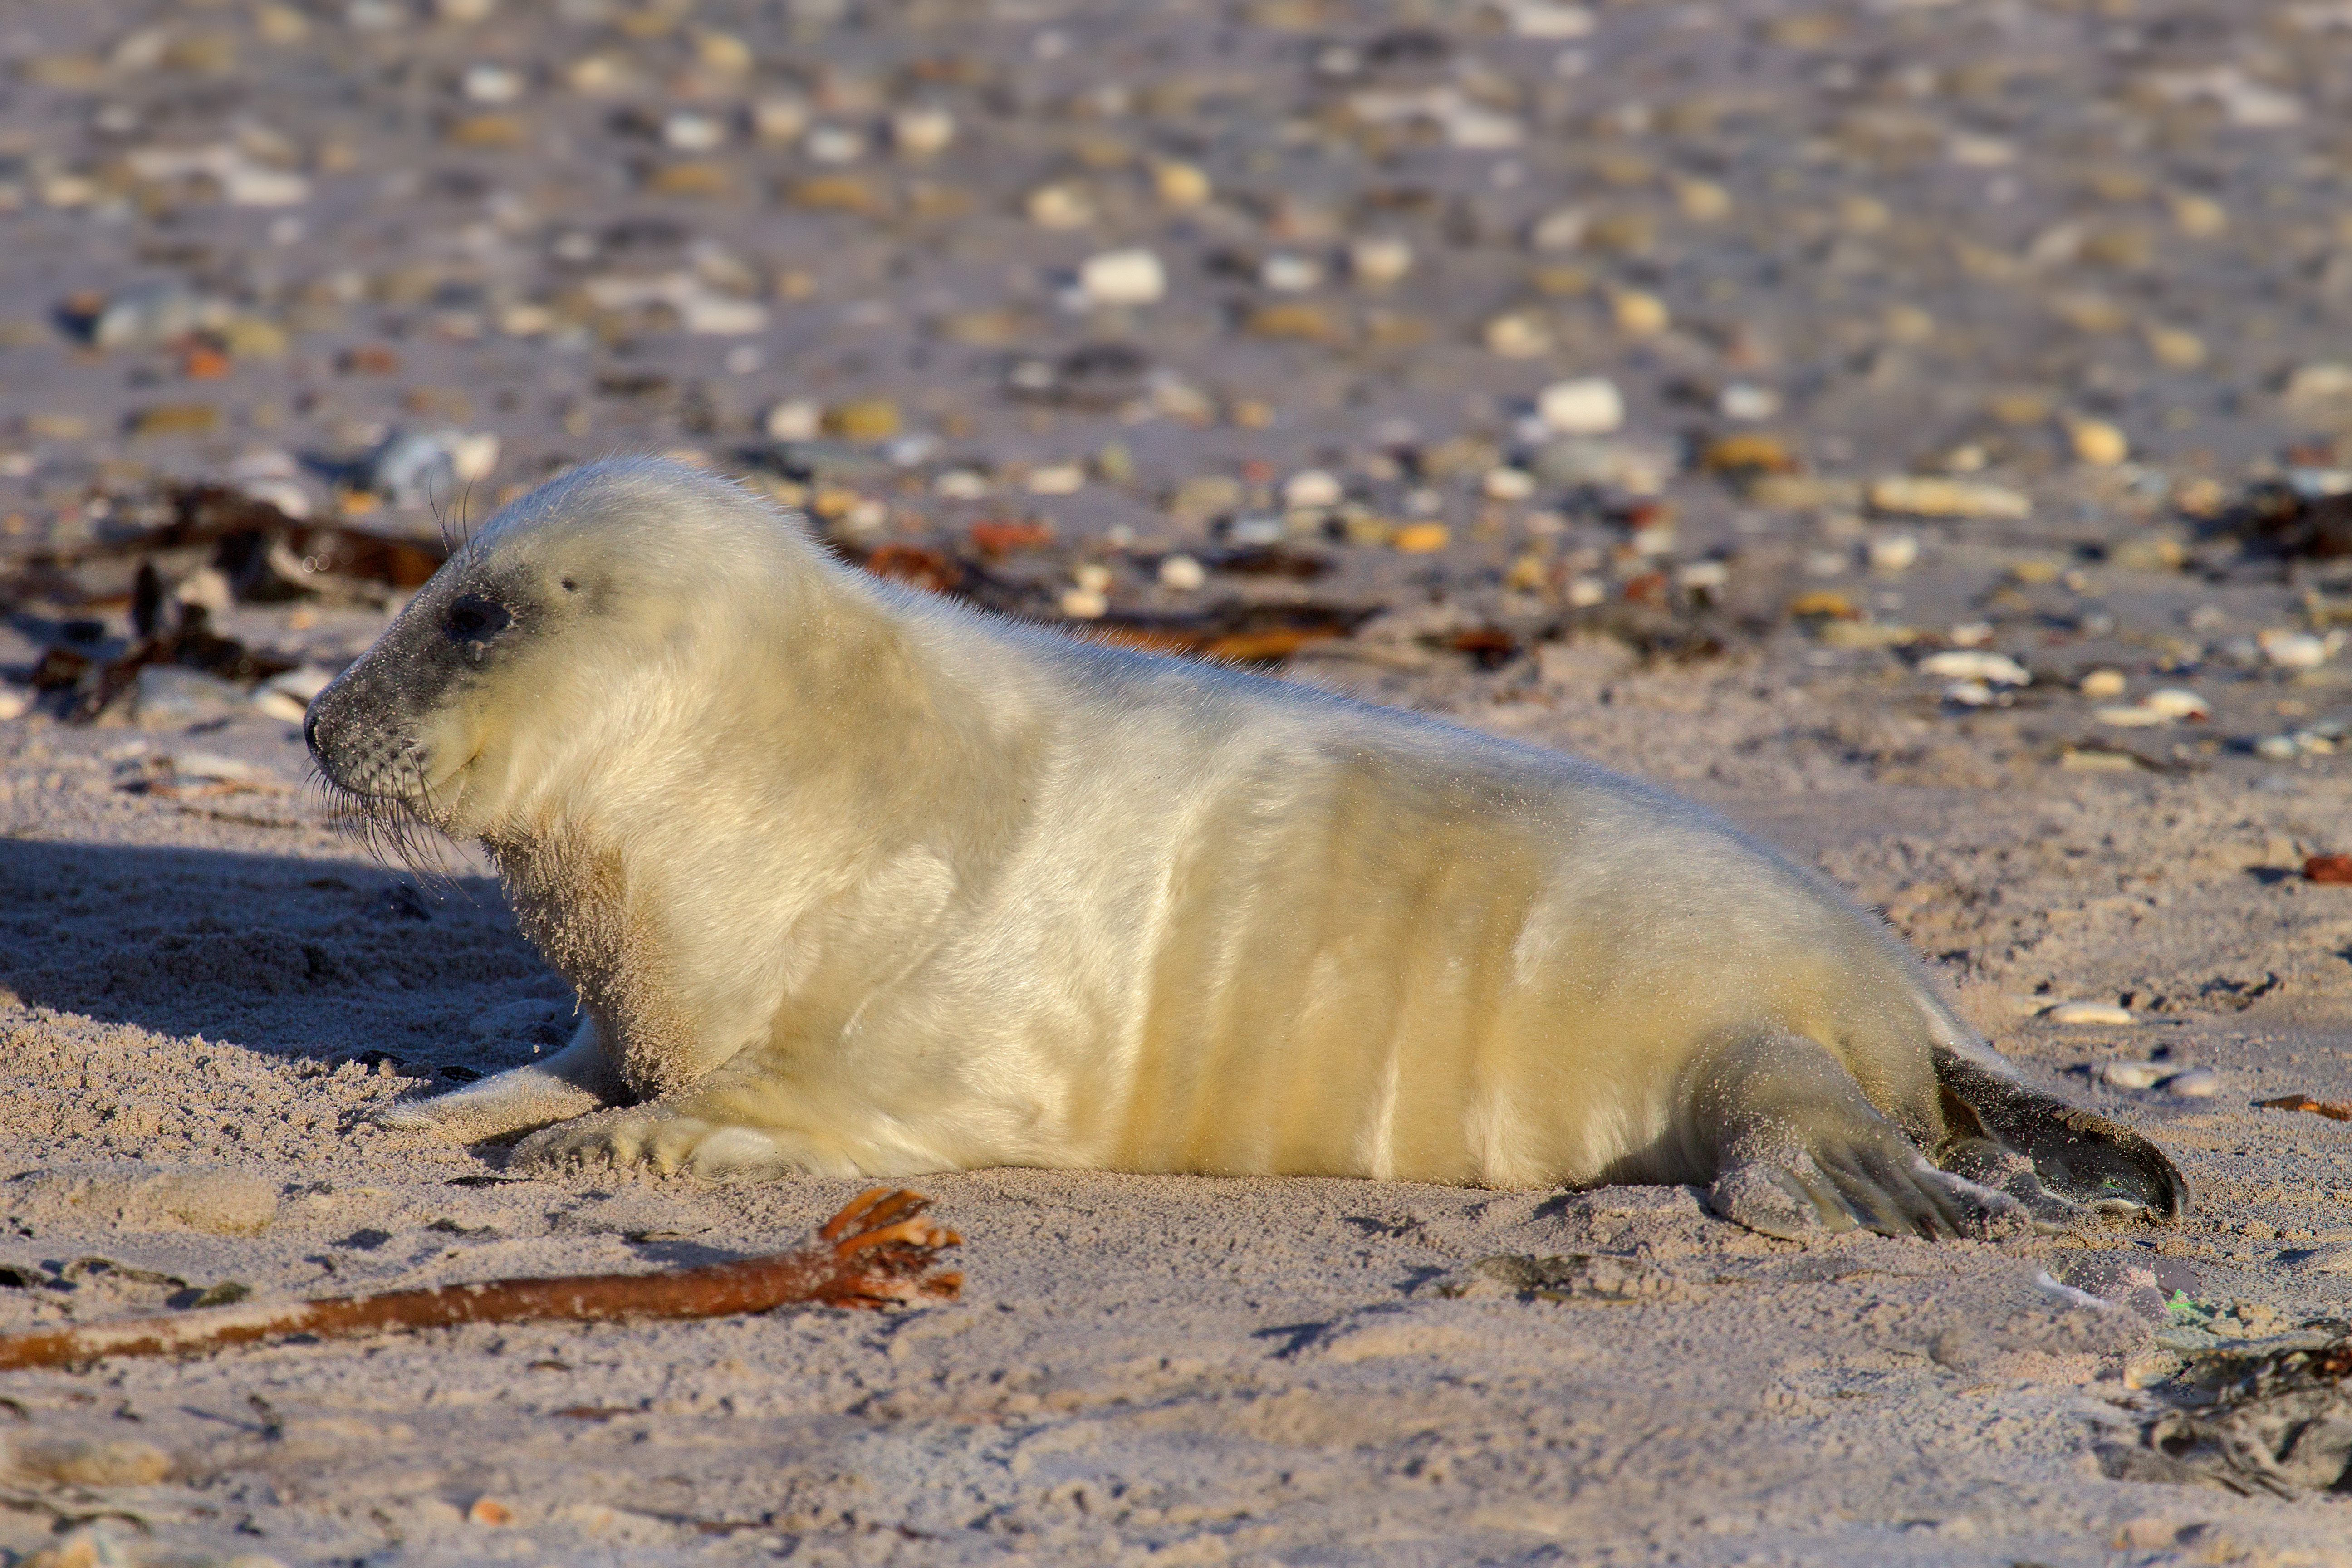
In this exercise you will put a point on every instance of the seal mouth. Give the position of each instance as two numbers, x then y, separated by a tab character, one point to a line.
405	825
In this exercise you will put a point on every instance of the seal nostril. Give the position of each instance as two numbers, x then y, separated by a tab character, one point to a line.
311	729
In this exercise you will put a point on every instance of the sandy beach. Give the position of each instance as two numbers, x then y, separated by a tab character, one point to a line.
1920	432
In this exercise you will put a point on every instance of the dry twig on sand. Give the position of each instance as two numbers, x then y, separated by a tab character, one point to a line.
878	1251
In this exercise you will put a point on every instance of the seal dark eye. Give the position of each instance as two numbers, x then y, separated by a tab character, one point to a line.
474	619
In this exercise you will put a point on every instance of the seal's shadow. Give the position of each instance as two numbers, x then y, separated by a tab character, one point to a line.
324	959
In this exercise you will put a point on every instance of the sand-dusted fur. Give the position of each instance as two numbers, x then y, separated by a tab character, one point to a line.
852	879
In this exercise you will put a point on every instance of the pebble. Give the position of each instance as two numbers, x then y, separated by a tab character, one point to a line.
1379	260
1183	575
1746	401
155	314
2101	684
2322	382
1975	664
1312	487
1893	553
1083	604
862	419
1517	335
1057	480
2098	443
1931	495
922	130
1421	538
2133	1075
1588	406
2290	649
1181	185
1288	274
2197	1083
1059	207
1584	593
2089	1013
1123	278
176	419
2176	348
794	419
2174	703
425	468
1640	314
1507	484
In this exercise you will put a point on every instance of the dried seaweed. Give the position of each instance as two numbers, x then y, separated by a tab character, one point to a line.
878	1251
2273	1417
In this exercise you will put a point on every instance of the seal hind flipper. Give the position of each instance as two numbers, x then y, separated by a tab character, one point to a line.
2000	1127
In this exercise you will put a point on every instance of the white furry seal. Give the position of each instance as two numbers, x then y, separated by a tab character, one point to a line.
856	880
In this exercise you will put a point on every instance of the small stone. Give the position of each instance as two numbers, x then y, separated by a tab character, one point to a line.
1975	664
2278	748
1969	694
1180	185
1584	593
691	179
922	130
422	469
2290	649
85	1462
1312	487
2176	704
837	194
1588	405
1703	201
2322	382
2078	1013
1301	319
2098	443
490	1512
1092	575
1562	230
1746	456
1746	401
1059	207
2197	1083
1085	603
2176	348
2200	217
687	132
1183	575
1892	552
1123	278
834	144
1057	480
1379	260
157	313
1638	314
1929	496
779	119
1517	334
1288	274
1420	537
2132	1075
862	419
487	83
1507	484
1908	324
176	419
797	420
2102	684
487	132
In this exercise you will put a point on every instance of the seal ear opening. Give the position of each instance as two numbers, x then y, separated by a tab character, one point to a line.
2096	1163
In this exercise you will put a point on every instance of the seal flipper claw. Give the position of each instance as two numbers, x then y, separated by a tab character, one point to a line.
2073	1162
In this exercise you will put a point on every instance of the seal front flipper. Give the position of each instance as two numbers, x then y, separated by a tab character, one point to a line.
2060	1161
1799	1150
573	1082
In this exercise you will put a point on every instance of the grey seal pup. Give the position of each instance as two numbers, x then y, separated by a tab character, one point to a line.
856	880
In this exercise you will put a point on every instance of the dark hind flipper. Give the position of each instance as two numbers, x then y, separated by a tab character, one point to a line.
2072	1159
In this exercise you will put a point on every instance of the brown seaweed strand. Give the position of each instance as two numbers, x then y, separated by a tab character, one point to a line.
876	1252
